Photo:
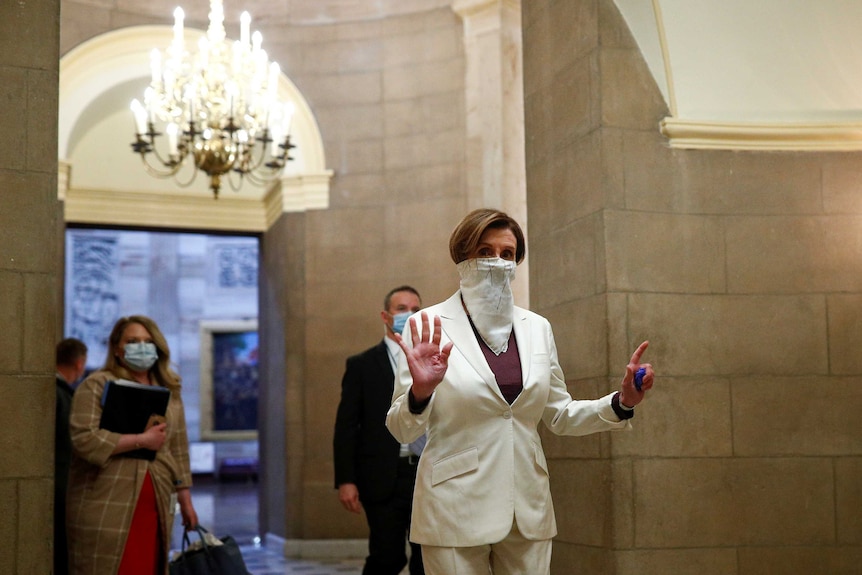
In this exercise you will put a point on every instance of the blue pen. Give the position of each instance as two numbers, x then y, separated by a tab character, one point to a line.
639	378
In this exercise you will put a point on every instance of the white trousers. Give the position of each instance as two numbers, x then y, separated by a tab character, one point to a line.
514	555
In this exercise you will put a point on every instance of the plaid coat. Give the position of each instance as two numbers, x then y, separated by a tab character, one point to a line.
103	490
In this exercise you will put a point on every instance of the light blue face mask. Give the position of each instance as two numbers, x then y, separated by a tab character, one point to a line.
140	356
399	320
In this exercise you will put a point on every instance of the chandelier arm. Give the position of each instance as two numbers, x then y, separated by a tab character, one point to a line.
148	141
253	178
166	162
235	186
259	179
254	165
190	181
263	173
158	173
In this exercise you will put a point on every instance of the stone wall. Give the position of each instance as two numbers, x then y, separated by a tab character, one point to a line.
389	98
742	269
30	281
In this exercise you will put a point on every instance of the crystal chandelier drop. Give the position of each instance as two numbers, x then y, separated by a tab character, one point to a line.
218	107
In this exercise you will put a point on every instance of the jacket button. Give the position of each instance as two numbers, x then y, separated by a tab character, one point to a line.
507	415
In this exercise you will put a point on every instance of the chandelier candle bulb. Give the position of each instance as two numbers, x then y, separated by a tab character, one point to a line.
149	94
190	98
140	116
179	16
172	130
276	141
230	88
256	41
244	28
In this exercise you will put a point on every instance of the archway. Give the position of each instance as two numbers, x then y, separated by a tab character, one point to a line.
101	180
102	183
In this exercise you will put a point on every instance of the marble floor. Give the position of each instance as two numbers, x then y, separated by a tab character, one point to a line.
260	561
230	508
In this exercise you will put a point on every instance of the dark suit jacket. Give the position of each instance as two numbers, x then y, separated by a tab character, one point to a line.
365	452
62	437
62	457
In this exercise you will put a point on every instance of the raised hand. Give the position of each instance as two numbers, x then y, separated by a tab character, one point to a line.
426	360
630	395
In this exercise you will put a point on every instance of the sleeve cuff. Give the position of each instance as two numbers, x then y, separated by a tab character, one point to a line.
417	407
619	410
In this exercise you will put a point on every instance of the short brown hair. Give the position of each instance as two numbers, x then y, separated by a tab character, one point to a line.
467	234
70	350
388	299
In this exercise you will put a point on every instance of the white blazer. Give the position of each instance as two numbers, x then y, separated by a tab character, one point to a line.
483	465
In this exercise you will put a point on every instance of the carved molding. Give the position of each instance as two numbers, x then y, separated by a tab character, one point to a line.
762	136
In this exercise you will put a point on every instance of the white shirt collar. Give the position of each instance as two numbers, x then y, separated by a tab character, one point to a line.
394	350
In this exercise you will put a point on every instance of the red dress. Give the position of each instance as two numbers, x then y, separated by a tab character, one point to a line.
141	556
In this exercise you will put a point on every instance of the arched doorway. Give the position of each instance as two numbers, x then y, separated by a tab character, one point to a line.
102	183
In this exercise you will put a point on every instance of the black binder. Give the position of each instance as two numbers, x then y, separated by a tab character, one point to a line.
128	406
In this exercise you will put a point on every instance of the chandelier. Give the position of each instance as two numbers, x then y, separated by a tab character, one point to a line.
218	107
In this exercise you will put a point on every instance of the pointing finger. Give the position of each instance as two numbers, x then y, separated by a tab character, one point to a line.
636	356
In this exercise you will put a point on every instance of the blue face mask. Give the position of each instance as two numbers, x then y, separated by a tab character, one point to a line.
140	356
399	320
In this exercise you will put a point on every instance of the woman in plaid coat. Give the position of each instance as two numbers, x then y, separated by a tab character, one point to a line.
120	509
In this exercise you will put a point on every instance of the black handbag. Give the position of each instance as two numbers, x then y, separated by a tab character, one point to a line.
224	559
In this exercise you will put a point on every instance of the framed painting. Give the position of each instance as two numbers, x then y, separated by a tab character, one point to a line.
229	380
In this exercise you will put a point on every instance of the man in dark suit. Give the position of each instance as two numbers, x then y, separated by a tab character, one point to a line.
372	470
71	356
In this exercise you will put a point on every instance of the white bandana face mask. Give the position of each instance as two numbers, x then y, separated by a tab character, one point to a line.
486	287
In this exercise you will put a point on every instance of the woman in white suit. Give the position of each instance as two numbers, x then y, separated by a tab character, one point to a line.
478	378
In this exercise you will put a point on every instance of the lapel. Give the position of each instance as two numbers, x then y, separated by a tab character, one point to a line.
456	326
523	335
381	357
